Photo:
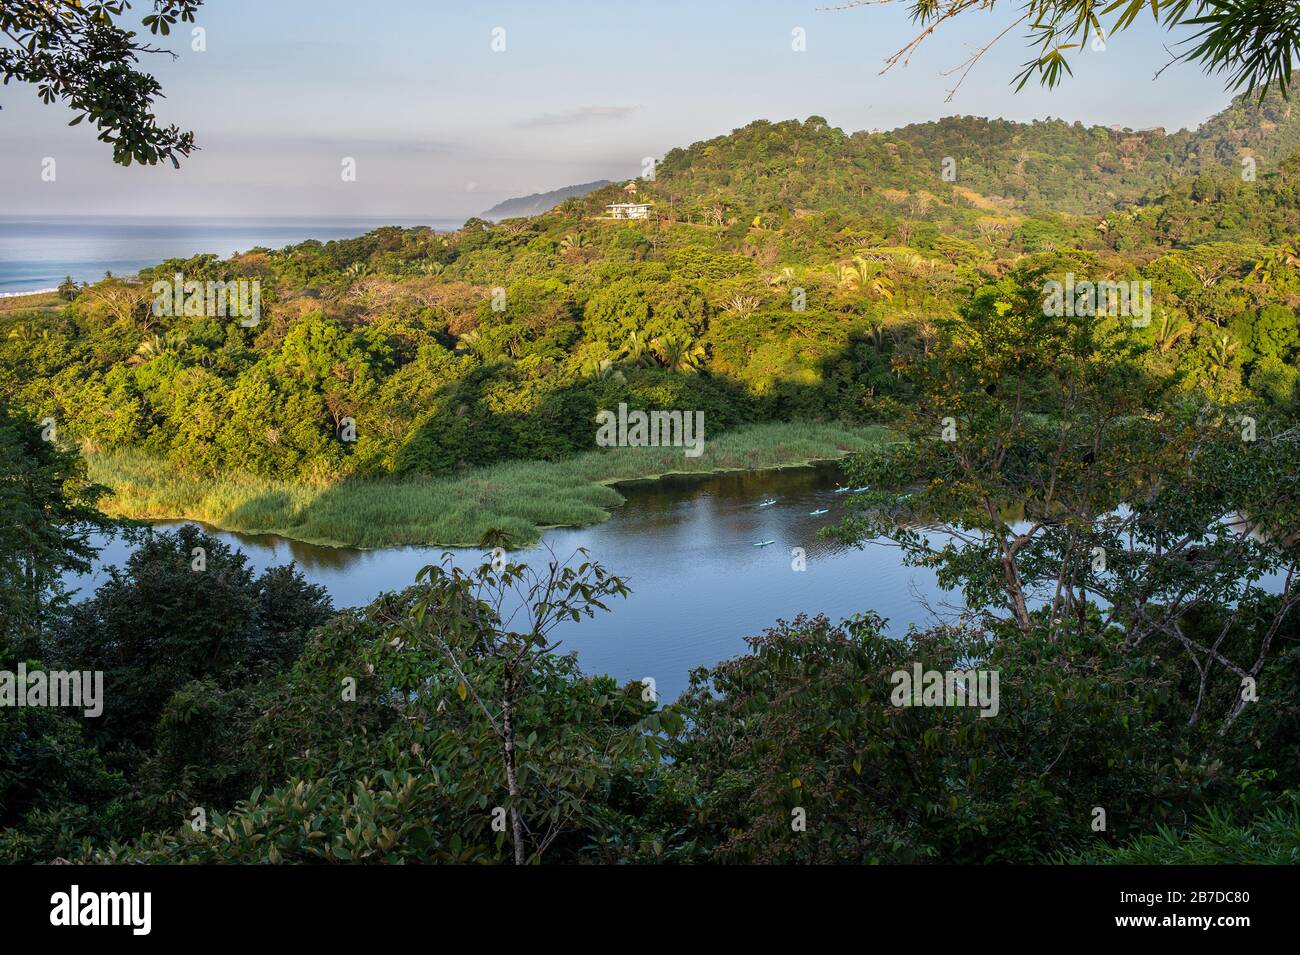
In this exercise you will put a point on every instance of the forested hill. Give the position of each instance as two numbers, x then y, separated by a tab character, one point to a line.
1068	167
810	164
792	167
787	271
1044	167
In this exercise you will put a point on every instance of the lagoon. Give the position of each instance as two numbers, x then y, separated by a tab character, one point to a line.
686	546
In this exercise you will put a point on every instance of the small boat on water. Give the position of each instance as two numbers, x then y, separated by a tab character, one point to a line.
843	490
861	490
764	543
819	511
768	503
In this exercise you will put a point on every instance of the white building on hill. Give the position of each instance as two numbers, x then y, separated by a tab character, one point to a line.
628	210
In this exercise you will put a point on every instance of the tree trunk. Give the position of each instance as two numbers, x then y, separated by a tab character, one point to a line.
1015	589
512	780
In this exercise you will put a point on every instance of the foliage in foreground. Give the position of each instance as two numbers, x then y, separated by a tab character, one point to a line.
270	733
802	722
1216	838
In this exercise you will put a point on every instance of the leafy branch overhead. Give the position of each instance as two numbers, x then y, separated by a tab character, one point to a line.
1252	42
79	54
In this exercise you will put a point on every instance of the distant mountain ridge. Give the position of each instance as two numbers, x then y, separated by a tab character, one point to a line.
540	202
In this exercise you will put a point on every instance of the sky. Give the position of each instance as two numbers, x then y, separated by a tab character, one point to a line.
441	125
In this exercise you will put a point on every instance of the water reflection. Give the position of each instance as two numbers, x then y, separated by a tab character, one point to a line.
686	545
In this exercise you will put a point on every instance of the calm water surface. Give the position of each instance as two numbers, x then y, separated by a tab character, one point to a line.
686	546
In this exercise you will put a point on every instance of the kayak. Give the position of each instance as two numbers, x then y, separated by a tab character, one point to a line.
823	510
768	503
764	543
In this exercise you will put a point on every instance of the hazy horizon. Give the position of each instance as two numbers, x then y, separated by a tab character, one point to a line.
441	126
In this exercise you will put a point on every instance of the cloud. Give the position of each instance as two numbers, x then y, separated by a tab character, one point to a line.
583	114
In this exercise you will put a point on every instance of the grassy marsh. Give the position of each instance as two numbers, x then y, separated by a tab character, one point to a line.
516	499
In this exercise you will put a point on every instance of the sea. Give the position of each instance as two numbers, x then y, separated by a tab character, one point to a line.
37	253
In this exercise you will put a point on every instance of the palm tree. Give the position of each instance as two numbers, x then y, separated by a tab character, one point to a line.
857	274
876	332
883	286
151	347
572	242
1225	346
864	274
468	341
637	351
601	368
157	345
678	354
1169	329
1274	266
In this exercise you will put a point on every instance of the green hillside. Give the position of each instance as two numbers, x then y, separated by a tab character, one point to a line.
1045	167
785	274
1059	166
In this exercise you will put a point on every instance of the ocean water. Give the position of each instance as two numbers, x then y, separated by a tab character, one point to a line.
36	253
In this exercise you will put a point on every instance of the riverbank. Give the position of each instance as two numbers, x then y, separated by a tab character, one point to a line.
515	501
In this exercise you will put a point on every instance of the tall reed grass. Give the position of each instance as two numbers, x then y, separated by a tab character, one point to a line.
509	502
